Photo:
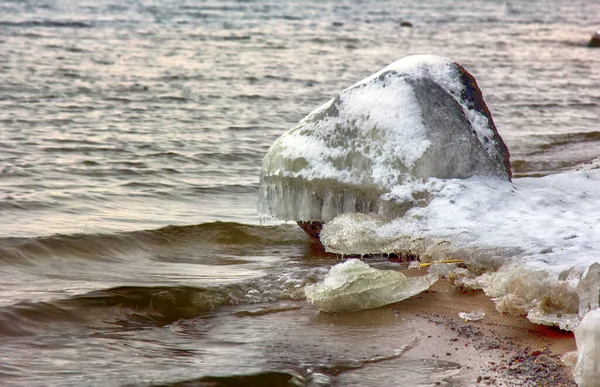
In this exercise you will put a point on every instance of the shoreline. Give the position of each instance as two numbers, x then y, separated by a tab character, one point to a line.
499	350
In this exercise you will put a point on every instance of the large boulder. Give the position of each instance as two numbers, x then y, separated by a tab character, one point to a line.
423	116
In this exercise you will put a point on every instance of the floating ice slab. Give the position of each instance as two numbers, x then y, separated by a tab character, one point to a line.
422	116
353	285
530	240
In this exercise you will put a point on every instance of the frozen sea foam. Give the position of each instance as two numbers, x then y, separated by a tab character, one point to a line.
422	116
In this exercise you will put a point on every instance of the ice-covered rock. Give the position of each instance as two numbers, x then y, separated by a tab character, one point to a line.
422	116
587	337
353	285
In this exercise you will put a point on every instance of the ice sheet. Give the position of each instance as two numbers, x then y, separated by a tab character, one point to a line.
529	241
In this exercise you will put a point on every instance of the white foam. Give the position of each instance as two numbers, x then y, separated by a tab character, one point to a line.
533	238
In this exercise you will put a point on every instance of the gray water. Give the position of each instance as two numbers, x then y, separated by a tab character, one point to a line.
118	120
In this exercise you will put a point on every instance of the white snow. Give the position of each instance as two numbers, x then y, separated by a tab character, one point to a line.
533	238
443	72
376	123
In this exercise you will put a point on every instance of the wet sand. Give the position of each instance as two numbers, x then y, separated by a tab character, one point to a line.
499	350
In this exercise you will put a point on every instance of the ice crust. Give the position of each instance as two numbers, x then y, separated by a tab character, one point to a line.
587	337
527	243
419	117
353	285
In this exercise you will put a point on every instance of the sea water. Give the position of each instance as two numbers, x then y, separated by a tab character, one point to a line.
131	141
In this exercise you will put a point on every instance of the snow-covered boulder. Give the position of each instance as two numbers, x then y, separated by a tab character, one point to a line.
422	116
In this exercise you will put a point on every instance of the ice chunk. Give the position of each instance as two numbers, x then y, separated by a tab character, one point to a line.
589	289
566	322
353	285
422	116
475	315
587	337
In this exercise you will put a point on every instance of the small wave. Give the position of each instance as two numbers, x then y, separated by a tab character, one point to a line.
558	152
220	8
570	138
47	24
230	233
79	149
159	305
243	128
139	306
292	17
11	204
232	188
233	37
199	15
264	378
197	36
125	306
150	185
72	49
215	236
172	98
256	97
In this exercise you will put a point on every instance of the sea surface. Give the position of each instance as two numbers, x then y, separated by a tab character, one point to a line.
131	139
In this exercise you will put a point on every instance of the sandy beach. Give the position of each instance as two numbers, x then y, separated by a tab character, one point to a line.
500	349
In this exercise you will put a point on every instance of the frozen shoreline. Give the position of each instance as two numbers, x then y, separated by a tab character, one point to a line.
527	243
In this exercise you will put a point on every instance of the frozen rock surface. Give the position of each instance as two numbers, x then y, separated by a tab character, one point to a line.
422	116
587	336
353	285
